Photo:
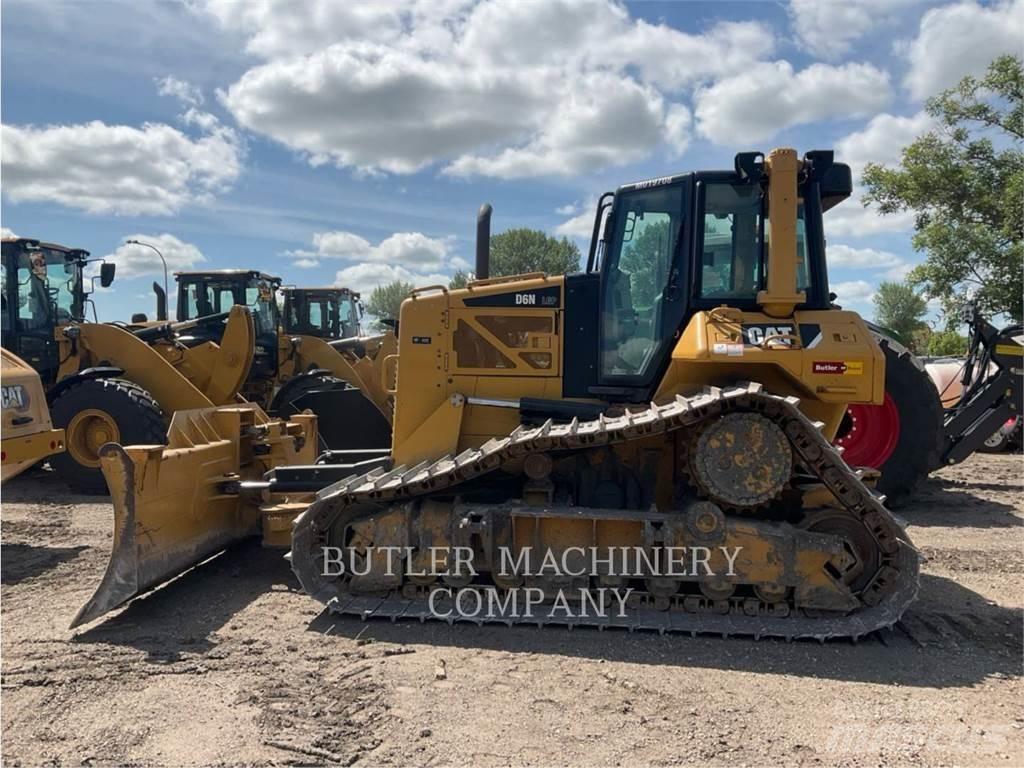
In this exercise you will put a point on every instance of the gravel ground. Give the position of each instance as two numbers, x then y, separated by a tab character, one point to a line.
230	664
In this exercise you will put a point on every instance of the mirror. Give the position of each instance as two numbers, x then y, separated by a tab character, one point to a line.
106	274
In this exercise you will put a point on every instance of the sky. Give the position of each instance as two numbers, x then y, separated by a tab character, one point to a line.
351	143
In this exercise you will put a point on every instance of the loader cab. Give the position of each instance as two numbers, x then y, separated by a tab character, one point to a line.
666	248
327	313
214	291
43	290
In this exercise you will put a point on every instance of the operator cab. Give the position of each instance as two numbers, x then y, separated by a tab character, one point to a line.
43	288
327	313
214	291
677	245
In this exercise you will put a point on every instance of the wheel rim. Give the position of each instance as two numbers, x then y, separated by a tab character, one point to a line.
996	440
87	432
869	433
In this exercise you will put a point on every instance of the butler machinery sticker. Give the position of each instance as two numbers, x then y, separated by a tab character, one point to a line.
727	348
838	367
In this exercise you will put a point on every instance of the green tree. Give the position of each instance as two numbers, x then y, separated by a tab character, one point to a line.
964	182
900	309
645	257
517	251
459	279
947	343
385	300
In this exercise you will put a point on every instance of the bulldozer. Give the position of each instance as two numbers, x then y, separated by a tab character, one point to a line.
28	433
676	395
309	352
110	381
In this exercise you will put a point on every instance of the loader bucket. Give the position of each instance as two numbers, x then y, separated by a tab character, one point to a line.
174	506
346	418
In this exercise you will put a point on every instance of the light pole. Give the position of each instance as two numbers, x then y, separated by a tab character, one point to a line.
162	259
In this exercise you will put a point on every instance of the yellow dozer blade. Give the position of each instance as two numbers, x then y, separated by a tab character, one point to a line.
178	504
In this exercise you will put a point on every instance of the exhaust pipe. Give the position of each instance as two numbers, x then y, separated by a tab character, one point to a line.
483	242
161	301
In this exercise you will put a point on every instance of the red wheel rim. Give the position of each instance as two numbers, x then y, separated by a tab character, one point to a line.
870	433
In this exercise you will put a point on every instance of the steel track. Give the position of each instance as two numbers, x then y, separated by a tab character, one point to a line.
359	497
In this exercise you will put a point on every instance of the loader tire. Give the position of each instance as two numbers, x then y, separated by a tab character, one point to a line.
97	411
902	438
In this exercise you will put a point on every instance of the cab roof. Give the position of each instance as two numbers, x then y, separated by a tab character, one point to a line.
251	273
332	289
31	241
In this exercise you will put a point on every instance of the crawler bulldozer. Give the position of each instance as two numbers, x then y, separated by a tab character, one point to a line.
683	391
110	381
28	433
309	353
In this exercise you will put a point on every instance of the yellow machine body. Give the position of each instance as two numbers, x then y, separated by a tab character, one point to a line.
361	364
723	438
28	434
179	377
491	354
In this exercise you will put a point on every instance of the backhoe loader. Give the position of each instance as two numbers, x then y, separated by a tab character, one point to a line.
110	381
310	356
28	433
677	394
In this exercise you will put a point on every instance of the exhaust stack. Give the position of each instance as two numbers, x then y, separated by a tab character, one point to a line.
161	301
483	242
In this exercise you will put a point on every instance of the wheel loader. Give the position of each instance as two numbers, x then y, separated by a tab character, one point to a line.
28	433
110	381
673	395
310	356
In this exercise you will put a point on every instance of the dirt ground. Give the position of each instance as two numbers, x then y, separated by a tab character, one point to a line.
230	664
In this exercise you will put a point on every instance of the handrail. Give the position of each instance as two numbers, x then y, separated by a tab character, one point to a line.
506	279
417	291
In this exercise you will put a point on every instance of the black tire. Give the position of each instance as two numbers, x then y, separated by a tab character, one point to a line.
137	416
921	436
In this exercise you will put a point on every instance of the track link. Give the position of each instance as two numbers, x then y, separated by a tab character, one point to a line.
361	497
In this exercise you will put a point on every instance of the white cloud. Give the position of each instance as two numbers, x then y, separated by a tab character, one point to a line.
365	277
182	90
827	28
581	225
501	88
852	219
853	291
840	255
601	120
7	232
961	39
567	210
881	141
137	260
283	27
408	256
757	104
412	250
117	169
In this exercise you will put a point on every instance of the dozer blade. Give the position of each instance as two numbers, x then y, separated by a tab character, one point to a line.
177	505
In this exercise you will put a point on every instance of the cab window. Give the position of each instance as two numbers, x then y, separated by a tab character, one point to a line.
731	264
638	267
